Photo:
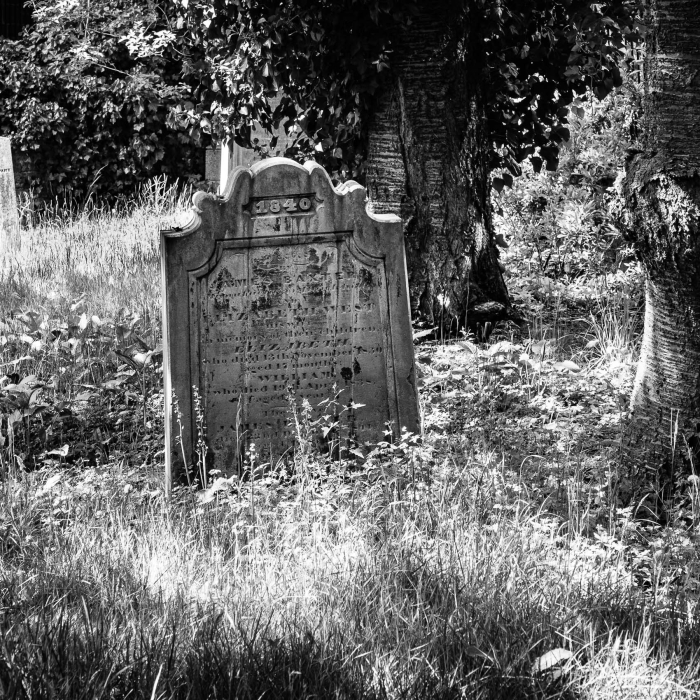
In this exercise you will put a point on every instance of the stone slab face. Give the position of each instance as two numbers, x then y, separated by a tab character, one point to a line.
212	164
218	169
280	291
9	220
247	156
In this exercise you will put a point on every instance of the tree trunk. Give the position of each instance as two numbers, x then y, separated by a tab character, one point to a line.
662	190
427	162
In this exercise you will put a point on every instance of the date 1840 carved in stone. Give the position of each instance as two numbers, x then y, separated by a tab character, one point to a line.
280	290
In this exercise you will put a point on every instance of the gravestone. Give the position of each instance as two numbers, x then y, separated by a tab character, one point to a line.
284	289
223	159
9	219
212	164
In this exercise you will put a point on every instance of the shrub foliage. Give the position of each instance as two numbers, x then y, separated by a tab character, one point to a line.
327	61
88	100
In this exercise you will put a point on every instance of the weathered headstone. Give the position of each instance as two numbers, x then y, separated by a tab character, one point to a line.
212	164
284	289
9	220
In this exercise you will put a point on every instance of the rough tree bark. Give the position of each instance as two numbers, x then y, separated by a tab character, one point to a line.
662	191
427	162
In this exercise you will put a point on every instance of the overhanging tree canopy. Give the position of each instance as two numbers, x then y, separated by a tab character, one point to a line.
329	59
507	73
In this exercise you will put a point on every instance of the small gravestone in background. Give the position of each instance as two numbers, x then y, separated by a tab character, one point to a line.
212	164
9	219
284	290
225	158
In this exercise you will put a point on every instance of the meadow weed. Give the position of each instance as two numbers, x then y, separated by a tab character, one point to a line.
488	559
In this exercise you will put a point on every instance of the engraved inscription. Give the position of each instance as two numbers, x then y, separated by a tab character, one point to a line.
282	325
284	205
286	305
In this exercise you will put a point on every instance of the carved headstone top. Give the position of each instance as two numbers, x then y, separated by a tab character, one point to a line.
9	220
281	291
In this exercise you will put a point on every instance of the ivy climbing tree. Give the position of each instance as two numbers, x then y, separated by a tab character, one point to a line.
424	101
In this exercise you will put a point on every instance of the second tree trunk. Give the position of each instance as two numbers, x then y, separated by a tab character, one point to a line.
427	162
662	189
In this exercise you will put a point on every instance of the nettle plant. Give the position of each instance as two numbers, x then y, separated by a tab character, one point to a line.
76	388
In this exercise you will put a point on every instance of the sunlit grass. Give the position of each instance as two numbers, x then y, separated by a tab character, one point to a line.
108	257
445	569
383	585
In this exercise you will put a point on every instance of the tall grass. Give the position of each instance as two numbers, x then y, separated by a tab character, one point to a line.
616	327
108	256
382	585
439	570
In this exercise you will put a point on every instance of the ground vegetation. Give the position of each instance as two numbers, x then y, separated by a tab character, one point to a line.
493	558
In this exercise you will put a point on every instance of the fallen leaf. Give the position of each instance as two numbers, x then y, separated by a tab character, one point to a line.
469	346
221	484
423	334
550	659
60	452
568	365
50	483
